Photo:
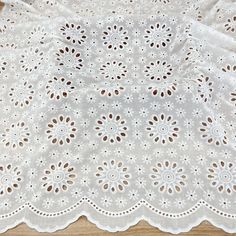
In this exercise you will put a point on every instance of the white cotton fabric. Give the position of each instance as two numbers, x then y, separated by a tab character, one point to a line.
120	111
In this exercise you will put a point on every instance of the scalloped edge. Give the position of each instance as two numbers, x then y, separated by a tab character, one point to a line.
118	229
207	215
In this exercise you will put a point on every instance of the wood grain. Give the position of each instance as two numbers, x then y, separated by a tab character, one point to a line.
83	227
1	5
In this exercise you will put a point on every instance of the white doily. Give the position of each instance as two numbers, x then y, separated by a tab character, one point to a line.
119	110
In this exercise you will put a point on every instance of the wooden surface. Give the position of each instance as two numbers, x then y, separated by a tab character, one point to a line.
83	227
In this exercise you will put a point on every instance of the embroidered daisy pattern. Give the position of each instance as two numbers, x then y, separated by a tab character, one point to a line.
3	64
230	25
213	132
58	177
21	94
115	37
117	109
111	128
58	88
113	70
162	129
163	89
113	176
158	70
69	58
158	35
222	175
233	97
168	177
10	179
109	89
31	59
74	33
205	88
17	135
61	130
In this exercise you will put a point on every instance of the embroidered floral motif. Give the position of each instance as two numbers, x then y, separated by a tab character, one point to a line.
115	37
168	177
31	59
58	88
229	68
3	64
74	33
21	94
37	35
223	176
205	88
58	177
233	97
109	89
17	135
69	58
158	35
111	128
163	89
61	130
158	70
162	129
113	176
231	24
117	108
213	132
113	70
10	179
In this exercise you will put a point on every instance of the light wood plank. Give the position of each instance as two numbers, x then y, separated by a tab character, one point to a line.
1	5
83	227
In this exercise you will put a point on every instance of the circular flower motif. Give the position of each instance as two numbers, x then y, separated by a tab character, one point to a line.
21	94
113	70
3	64
205	88
74	33
158	70
61	130
31	59
229	68
231	24
213	132
233	97
111	128
37	36
16	136
115	37
109	89
163	89
10	179
69	58
58	177
113	176
58	88
158	35
162	129
168	177
223	176
4	24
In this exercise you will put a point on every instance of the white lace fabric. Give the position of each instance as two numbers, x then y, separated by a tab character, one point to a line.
120	111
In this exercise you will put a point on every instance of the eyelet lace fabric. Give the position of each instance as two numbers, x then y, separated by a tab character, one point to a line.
120	111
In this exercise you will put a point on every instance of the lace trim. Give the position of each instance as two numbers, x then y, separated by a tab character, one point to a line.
98	218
